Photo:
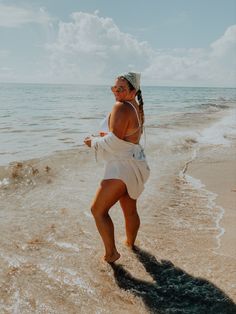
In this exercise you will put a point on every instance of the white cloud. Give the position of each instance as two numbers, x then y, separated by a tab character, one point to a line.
212	66
93	49
14	16
225	44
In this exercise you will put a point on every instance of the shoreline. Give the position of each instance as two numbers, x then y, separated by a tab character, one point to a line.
216	173
49	243
52	239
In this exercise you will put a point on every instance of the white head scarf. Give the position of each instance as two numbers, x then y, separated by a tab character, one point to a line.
133	78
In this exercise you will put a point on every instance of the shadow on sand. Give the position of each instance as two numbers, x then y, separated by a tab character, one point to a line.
173	290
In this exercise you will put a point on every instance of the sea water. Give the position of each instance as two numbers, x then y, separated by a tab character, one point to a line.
50	249
38	119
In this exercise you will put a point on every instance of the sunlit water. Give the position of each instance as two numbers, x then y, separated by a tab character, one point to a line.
36	120
49	247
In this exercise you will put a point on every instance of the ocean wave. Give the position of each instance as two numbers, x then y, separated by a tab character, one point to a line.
67	140
213	105
221	132
183	144
90	118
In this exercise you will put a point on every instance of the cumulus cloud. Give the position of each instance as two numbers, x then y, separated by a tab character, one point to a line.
225	44
93	49
212	66
14	16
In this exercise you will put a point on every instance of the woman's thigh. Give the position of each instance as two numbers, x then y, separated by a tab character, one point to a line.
128	205
108	193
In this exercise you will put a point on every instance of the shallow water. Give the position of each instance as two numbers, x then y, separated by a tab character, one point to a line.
49	247
39	119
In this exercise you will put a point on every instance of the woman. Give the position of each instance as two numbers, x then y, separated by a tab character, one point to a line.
126	168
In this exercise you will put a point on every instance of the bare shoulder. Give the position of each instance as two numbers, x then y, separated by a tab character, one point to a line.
118	120
119	103
123	107
120	108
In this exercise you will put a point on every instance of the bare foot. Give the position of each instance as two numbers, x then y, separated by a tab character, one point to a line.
128	244
111	258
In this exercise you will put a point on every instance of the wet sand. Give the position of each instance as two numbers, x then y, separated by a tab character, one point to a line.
219	176
50	250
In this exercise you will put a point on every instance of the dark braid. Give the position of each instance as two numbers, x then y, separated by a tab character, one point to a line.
140	99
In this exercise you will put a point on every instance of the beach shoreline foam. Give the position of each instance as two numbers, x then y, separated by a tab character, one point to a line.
218	175
50	250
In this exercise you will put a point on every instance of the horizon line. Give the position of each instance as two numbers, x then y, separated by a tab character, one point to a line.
97	84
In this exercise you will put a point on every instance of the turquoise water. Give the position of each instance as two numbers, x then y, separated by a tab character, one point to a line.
38	119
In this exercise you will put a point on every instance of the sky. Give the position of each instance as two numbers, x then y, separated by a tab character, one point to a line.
171	42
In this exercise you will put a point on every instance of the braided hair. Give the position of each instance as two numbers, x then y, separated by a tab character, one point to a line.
140	100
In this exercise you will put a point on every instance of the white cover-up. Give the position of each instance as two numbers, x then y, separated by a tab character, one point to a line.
124	160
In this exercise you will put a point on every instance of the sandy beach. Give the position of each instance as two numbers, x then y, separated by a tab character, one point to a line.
50	254
218	174
157	80
216	170
184	261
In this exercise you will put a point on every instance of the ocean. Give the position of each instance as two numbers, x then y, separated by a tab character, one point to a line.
50	250
39	119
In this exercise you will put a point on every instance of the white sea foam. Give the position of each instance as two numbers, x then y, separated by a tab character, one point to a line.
16	305
13	260
61	127
65	275
217	211
64	245
220	132
171	141
195	183
5	182
67	245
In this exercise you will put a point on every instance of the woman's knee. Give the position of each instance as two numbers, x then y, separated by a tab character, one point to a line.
98	211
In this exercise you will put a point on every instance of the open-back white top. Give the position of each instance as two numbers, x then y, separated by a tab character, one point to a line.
104	126
124	160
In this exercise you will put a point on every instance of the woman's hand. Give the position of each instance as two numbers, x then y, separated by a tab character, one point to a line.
102	133
87	141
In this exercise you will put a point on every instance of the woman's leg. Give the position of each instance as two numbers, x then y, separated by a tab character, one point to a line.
109	192
132	221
